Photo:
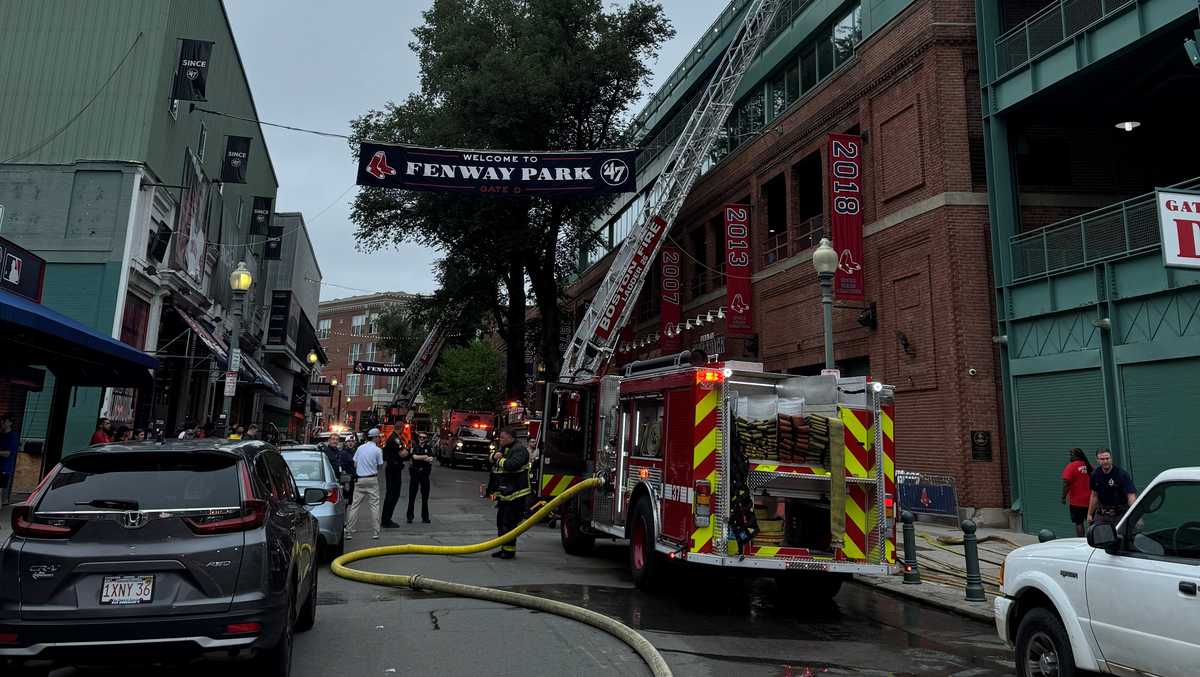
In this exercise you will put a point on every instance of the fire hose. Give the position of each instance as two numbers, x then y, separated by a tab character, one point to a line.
626	634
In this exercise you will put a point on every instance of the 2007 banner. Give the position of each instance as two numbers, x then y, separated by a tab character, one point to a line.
486	172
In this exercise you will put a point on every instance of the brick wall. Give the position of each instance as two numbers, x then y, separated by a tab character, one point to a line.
913	92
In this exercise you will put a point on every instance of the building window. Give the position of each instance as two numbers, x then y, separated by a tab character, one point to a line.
370	356
355	350
373	324
352	385
324	328
202	143
358	324
846	34
368	385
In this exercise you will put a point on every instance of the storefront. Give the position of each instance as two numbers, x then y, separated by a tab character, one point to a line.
49	355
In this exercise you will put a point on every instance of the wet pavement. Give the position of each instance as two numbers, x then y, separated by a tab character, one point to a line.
703	622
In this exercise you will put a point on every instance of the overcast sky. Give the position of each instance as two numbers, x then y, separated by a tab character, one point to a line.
318	64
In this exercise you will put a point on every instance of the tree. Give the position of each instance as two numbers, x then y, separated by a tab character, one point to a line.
467	377
400	333
512	74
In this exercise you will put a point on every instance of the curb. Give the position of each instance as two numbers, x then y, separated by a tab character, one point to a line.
979	611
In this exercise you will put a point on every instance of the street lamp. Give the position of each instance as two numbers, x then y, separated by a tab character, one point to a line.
312	358
239	281
825	260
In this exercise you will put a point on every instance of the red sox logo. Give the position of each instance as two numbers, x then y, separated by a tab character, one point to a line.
379	167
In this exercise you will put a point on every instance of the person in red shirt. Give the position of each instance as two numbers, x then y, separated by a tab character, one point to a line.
103	434
1076	489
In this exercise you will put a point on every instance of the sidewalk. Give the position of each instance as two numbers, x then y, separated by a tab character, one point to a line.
942	565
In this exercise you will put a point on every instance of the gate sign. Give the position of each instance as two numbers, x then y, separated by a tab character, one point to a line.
494	172
378	368
737	271
1179	219
845	175
672	286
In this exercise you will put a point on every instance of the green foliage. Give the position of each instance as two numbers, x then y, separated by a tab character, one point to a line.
467	377
517	75
401	333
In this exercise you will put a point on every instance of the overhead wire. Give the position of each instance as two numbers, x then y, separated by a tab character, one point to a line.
70	121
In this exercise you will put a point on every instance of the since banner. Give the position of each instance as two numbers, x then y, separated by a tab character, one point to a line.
486	172
191	73
237	158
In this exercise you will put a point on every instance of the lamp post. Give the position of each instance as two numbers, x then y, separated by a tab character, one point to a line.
312	375
825	260
239	281
335	397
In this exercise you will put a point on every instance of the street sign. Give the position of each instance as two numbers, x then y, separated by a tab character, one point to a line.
378	368
235	360
230	383
320	389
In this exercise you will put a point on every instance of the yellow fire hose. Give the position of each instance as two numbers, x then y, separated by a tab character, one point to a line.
629	636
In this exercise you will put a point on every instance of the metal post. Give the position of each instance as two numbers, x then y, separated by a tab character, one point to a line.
826	280
912	574
239	298
971	552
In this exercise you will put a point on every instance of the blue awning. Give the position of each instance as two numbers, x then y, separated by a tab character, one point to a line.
60	342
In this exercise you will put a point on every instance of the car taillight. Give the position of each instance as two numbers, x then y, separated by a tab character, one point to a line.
332	496
25	524
243	628
702	503
251	516
8	638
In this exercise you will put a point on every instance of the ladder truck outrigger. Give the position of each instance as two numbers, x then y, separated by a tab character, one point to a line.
719	464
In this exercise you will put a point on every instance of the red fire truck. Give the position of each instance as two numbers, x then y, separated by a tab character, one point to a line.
689	451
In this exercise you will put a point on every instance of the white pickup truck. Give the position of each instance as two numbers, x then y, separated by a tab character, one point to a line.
1124	602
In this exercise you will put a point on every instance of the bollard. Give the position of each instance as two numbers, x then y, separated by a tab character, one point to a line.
971	551
912	575
1045	535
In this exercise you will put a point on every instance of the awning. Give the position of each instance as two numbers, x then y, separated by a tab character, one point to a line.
251	369
34	334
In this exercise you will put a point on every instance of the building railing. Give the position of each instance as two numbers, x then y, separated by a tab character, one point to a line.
808	233
1047	28
1113	231
775	248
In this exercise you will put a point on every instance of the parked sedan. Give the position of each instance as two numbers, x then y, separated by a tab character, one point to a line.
155	553
311	469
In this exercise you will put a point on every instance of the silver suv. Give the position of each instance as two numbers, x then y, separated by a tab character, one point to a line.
155	553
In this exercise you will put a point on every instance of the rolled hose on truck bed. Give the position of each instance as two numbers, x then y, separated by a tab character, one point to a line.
623	632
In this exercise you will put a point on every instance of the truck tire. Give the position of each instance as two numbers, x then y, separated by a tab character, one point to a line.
1043	648
645	564
808	586
574	540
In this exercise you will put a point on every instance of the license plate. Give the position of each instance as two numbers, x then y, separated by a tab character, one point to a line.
122	590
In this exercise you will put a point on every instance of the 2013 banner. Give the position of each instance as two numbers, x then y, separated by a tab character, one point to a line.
845	195
738	320
191	73
672	288
486	172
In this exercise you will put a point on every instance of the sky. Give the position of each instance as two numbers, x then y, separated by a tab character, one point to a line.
317	64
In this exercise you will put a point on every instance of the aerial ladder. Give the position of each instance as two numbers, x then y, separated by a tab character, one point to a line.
422	363
596	336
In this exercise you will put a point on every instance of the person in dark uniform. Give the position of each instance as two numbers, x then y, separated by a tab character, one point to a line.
509	485
418	476
1113	491
394	474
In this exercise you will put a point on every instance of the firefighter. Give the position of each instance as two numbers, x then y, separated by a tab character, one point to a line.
509	485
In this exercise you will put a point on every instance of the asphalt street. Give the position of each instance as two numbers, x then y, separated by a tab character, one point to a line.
703	623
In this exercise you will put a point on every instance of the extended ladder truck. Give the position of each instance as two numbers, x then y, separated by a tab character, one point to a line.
716	464
416	373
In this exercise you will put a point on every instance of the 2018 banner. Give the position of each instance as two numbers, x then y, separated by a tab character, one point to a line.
191	73
237	158
845	175
544	174
738	320
672	287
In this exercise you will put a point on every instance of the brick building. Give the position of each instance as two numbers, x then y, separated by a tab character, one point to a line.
348	331
903	75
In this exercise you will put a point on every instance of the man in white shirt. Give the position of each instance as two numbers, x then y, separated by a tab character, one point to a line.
368	459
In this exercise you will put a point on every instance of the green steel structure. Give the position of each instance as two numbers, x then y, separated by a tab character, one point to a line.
93	153
1099	342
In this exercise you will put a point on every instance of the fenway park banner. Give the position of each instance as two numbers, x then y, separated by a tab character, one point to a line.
845	175
739	321
672	285
544	174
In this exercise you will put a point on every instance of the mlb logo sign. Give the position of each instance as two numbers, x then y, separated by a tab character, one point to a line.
12	269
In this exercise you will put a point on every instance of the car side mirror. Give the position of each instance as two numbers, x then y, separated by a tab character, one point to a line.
1102	536
314	496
